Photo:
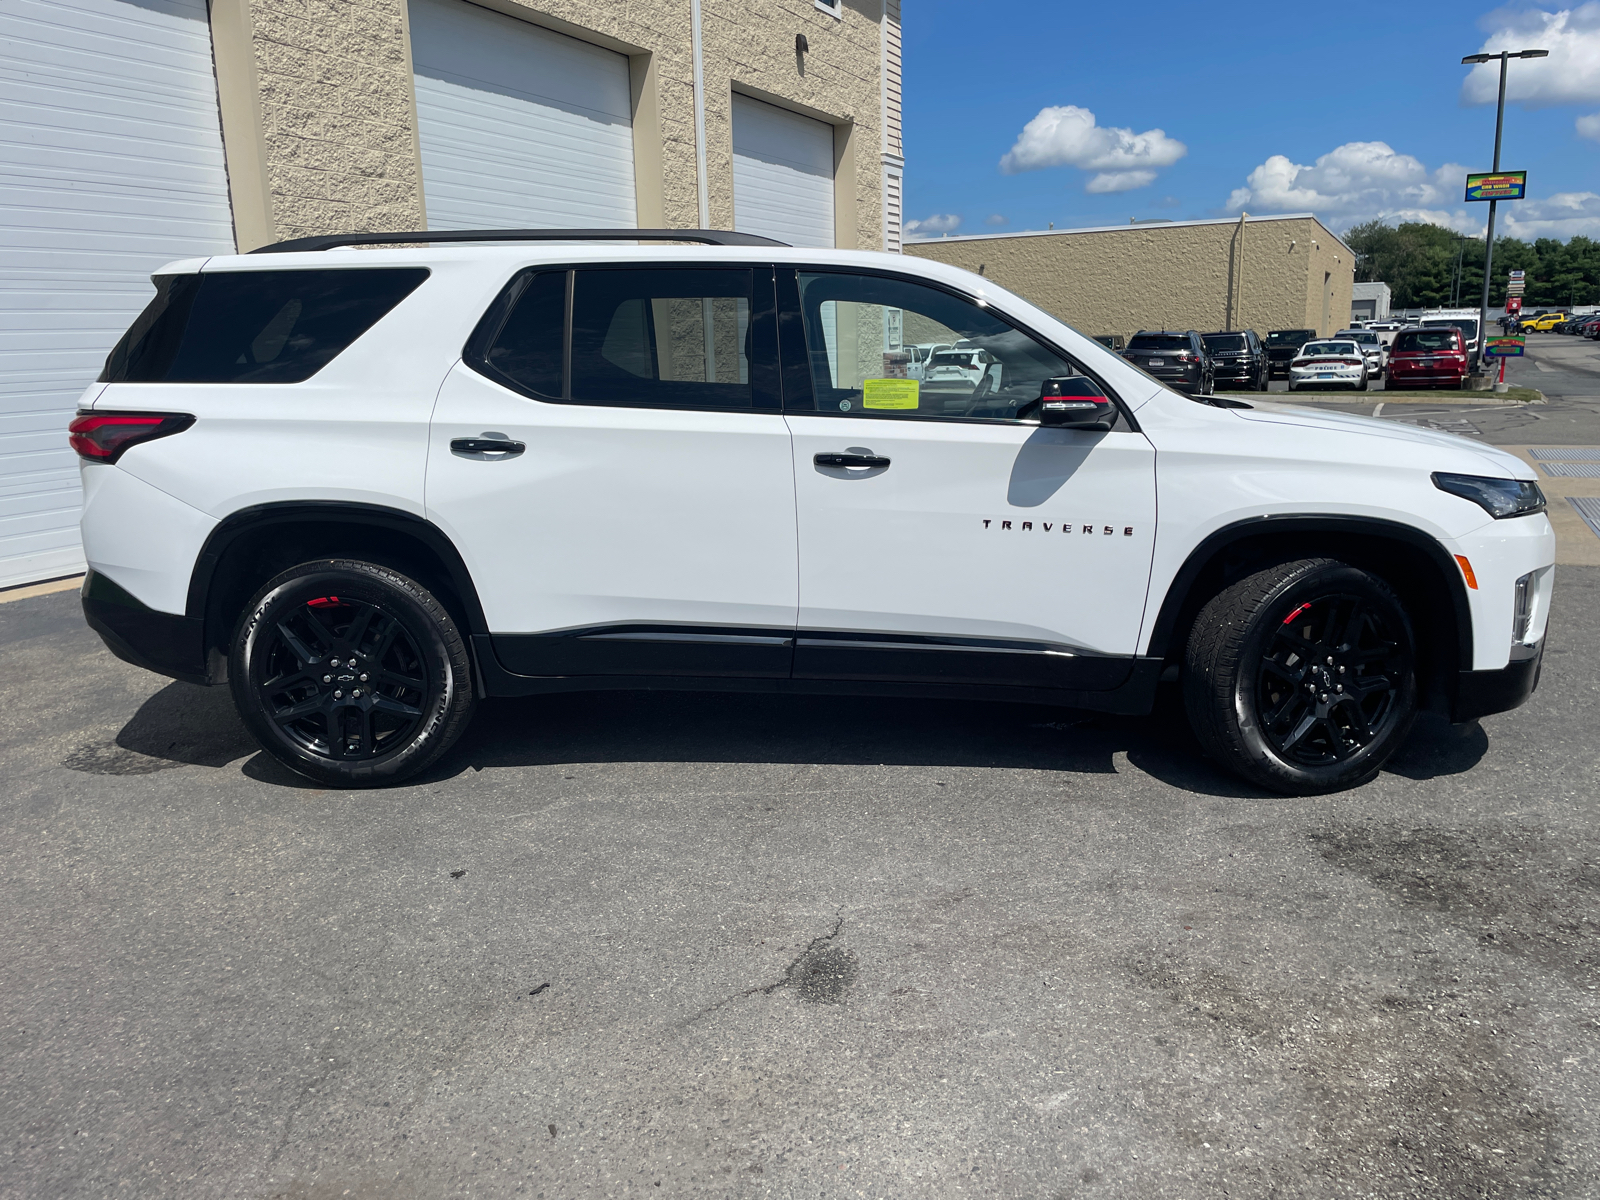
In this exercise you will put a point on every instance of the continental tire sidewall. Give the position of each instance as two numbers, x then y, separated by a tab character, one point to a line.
449	696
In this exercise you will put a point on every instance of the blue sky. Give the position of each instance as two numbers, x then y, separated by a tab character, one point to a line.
1353	111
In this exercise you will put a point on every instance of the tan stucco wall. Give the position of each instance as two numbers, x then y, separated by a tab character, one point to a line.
1169	276
336	145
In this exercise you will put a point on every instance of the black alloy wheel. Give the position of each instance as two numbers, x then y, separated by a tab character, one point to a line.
350	673
1302	677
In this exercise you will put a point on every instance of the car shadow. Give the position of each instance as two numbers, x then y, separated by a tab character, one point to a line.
187	725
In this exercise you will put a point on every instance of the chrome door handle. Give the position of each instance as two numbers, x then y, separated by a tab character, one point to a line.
850	460
500	446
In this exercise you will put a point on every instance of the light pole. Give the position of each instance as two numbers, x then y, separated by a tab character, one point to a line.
1499	121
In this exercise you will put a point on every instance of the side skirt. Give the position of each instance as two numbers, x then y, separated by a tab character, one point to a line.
1132	694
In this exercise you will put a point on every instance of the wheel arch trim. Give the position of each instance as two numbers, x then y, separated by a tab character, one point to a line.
333	512
1183	582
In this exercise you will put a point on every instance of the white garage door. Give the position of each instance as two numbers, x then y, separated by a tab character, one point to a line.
521	128
110	165
782	174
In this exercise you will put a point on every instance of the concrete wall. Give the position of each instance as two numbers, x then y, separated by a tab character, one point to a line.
1274	273
319	114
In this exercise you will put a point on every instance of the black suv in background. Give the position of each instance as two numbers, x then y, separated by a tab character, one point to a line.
1282	346
1238	359
1178	360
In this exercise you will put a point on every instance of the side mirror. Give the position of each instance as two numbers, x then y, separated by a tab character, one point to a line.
1075	402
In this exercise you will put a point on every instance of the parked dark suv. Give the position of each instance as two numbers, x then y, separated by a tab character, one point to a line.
1178	360
1238	359
1282	346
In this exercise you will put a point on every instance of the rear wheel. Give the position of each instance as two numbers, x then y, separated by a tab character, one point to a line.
350	673
1302	678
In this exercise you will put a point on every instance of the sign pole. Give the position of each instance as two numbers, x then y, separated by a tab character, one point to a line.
1488	246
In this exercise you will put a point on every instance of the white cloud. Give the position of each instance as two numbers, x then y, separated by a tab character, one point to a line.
1564	215
1363	181
996	219
1571	75
1067	136
932	226
1119	181
1352	183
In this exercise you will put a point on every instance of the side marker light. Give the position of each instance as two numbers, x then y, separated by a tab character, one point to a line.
1466	572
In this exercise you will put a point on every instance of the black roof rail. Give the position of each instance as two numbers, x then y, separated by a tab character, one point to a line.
708	237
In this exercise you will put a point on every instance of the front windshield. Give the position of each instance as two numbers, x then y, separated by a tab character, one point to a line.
1224	341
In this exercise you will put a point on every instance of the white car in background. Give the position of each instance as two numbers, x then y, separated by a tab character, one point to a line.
1372	347
967	366
1329	362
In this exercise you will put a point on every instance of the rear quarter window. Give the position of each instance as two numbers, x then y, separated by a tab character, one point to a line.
255	326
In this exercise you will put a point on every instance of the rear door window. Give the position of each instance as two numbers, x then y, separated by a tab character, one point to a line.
657	337
255	326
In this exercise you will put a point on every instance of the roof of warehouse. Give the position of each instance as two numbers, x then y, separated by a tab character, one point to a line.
980	237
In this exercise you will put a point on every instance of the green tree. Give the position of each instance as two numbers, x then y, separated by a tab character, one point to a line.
1419	262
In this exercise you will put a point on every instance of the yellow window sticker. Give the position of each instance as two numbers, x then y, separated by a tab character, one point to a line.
889	393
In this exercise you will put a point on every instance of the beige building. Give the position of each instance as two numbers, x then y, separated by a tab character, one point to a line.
144	131
1260	273
408	114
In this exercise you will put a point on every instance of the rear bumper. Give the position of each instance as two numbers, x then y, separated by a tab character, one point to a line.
165	643
1480	693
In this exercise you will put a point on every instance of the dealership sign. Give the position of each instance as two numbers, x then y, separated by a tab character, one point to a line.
1505	347
1502	185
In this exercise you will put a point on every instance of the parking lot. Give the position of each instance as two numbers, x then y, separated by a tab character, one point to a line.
665	944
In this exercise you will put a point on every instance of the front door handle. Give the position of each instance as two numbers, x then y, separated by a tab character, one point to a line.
496	444
850	460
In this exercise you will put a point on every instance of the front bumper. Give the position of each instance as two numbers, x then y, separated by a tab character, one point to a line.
1480	693
165	643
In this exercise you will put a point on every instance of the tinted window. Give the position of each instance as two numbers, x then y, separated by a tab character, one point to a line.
254	326
857	328
1444	339
1290	337
527	351
1315	349
1225	341
1160	341
662	337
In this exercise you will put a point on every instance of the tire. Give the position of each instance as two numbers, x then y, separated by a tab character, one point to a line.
311	715
1245	666
1363	385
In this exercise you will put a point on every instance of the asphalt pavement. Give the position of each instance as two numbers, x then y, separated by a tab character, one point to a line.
682	945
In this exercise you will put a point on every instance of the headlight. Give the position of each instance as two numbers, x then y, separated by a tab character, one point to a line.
1498	497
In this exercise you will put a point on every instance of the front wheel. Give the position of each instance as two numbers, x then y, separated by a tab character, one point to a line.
1302	677
350	674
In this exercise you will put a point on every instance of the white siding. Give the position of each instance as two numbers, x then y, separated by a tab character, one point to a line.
892	209
520	127
110	165
782	174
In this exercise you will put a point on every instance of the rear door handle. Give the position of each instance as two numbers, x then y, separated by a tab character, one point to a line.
850	460
501	446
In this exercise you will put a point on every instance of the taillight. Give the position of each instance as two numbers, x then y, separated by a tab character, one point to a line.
102	437
1351	362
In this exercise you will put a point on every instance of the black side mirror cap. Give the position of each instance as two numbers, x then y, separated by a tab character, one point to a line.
1075	402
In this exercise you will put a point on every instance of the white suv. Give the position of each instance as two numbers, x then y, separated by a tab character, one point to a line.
367	488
